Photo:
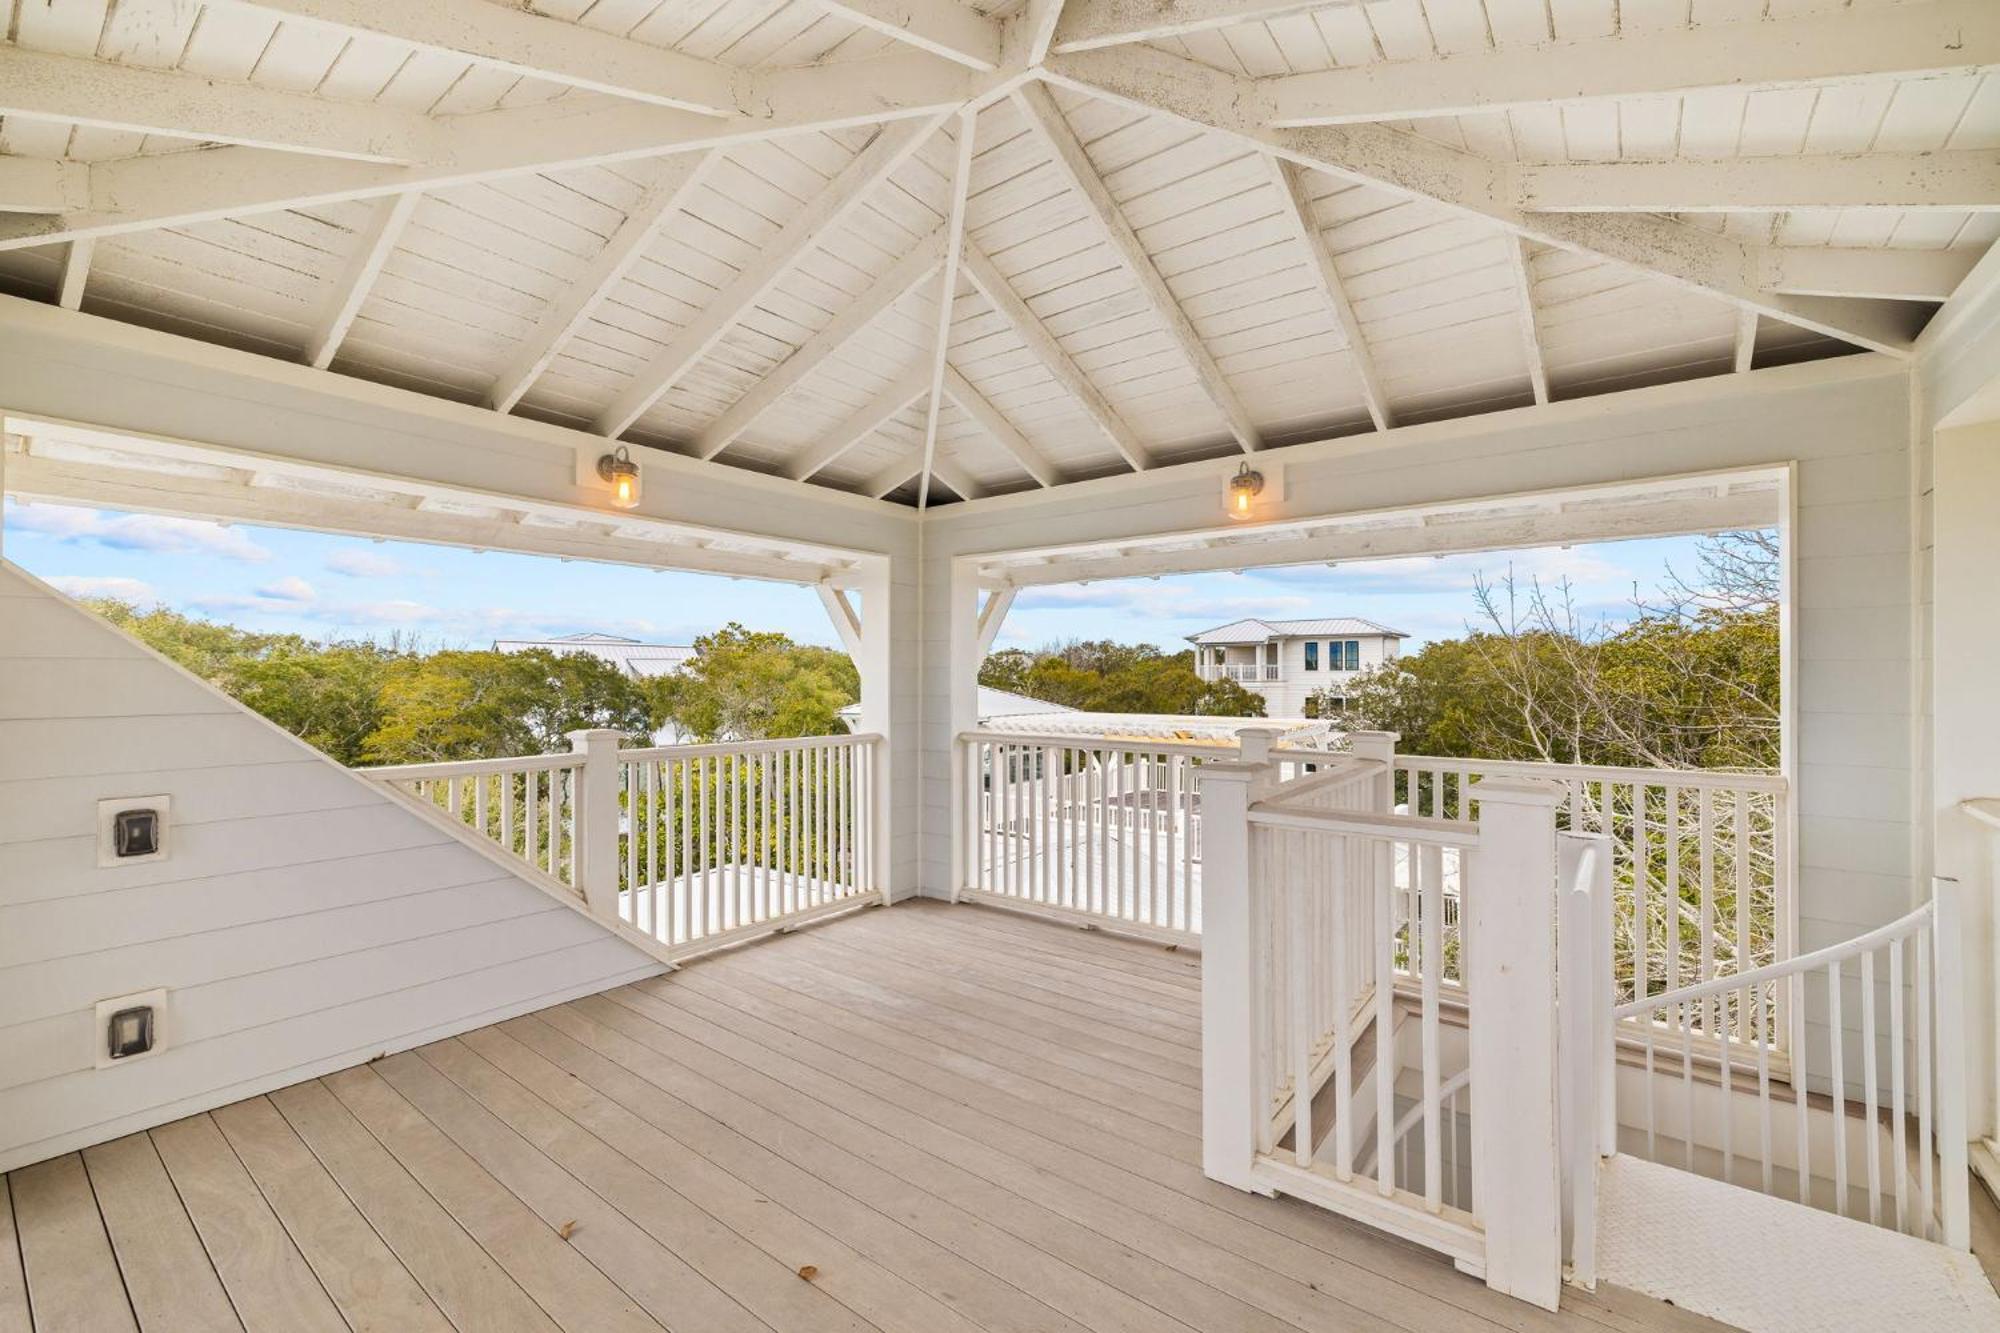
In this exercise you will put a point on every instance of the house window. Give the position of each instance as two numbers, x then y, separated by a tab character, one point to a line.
1346	656
1312	657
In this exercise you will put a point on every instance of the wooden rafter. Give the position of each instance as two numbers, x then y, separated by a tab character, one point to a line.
669	193
1889	275
372	250
892	477
911	270
1155	81
1045	348
1841	45
104	95
1075	165
954	246
35	185
1746	339
1298	214
530	44
1963	180
878	412
994	422
828	210
1519	260
942	27
75	273
1093	23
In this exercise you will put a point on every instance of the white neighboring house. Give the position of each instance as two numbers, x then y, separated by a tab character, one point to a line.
1290	661
636	659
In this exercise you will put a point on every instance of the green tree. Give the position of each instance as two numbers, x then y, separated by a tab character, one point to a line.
751	685
1101	676
486	705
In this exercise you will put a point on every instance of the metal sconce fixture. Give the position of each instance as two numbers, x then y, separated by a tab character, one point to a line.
618	468
1244	488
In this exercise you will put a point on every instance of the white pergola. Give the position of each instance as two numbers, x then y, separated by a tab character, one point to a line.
887	246
924	303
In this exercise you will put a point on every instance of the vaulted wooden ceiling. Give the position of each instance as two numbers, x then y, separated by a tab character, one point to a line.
1166	228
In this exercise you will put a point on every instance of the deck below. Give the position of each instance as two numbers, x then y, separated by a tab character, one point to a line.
922	1119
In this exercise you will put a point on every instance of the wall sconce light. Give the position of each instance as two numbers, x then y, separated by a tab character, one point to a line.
1244	487
622	473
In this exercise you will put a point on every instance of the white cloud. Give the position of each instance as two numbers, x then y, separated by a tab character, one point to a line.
136	591
137	532
358	562
291	588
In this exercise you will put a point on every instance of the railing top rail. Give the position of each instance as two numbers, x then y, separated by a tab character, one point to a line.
1338	770
746	747
1460	833
1713	778
1902	927
1219	748
466	768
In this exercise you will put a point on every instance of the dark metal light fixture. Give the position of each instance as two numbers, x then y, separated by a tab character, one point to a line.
1244	487
618	468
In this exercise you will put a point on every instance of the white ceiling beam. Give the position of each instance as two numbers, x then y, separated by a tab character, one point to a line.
38	185
1889	275
846	623
1031	32
513	38
1004	433
944	28
182	189
1045	348
911	270
1075	165
1093	23
1298	214
1746	339
100	94
954	246
1835	46
1519	260
831	207
372	250
1153	80
963	484
679	176
892	402
75	273
1964	180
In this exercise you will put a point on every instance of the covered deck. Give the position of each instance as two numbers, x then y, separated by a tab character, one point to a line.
925	1118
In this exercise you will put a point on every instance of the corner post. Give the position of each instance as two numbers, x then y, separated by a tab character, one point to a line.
1509	914
1229	968
1948	979
1583	977
597	819
1378	746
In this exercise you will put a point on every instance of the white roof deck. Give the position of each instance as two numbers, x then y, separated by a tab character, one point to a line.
1261	631
720	230
631	656
788	1137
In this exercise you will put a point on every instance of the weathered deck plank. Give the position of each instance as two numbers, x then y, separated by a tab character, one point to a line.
957	1119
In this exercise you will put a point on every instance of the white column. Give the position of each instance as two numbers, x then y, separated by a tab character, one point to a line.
964	652
875	662
596	817
1228	1024
1509	915
1948	973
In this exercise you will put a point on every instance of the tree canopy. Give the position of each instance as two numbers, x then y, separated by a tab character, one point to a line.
753	685
1100	676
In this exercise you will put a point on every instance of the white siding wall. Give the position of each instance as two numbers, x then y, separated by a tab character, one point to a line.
1847	427
302	920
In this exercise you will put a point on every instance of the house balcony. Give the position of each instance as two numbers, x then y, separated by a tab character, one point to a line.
1243	673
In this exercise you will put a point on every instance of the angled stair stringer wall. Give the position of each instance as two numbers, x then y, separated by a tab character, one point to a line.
303	921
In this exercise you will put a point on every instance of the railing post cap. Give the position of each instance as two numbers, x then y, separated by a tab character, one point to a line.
594	736
1375	737
1230	770
1271	731
1505	790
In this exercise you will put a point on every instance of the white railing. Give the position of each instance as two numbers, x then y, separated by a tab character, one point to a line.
526	804
1701	876
719	842
1244	672
1870	1123
693	847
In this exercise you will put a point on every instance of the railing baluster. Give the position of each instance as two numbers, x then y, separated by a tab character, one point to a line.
1430	899
1899	1161
1836	1060
1872	1127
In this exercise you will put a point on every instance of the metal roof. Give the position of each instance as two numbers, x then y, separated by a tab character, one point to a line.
1257	631
628	655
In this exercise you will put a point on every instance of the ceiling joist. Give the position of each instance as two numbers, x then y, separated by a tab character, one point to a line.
363	266
1520	261
1961	181
1003	432
1087	24
1939	37
1298	214
942	27
954	246
878	412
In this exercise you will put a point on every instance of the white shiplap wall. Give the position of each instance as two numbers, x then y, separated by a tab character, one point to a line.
302	921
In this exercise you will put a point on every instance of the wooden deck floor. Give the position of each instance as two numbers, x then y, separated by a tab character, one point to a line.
924	1119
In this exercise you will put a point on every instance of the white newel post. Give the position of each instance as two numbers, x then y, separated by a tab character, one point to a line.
1510	951
596	818
1378	747
1583	982
1228	1018
1948	981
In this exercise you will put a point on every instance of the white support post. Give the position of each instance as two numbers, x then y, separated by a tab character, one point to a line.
1229	1107
596	817
1509	916
1378	747
1954	1201
873	661
1583	981
965	651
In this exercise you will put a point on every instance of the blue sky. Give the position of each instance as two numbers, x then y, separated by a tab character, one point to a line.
339	587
